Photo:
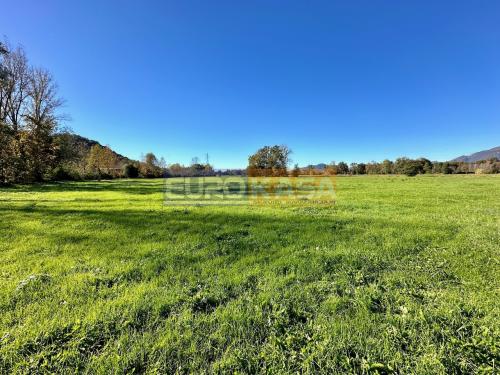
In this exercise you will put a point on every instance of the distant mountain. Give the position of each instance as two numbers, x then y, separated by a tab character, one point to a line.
320	166
481	155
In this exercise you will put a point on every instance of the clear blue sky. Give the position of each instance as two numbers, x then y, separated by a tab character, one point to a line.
334	80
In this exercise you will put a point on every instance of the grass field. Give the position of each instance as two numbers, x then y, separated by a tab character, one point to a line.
400	275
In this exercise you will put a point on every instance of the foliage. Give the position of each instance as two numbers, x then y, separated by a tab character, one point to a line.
358	168
342	168
35	149
102	162
269	161
60	173
406	166
28	118
130	171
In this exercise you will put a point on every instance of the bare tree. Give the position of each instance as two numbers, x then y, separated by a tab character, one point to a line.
41	121
4	75
4	136
150	159
14	93
151	166
29	117
41	112
13	98
3	71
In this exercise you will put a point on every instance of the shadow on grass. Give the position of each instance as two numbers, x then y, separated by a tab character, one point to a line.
230	233
210	187
295	250
150	186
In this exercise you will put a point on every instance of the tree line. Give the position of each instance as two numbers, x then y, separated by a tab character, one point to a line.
29	116
274	161
34	145
406	166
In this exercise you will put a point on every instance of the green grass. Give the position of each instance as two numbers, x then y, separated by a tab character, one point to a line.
401	274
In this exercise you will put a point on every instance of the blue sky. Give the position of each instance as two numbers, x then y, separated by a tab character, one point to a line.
334	80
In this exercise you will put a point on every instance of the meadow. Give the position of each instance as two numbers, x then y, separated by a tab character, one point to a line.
400	275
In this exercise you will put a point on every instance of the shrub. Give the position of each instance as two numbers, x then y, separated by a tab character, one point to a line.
411	169
62	174
130	171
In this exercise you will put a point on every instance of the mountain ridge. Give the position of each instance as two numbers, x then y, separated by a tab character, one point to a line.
480	155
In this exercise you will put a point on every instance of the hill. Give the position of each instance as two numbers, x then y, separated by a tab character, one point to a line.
481	155
81	145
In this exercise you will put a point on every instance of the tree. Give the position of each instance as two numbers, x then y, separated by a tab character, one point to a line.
13	97
71	154
130	171
41	122
28	118
162	163
3	72
101	160
197	169
358	168
151	160
269	161
400	165
387	167
15	92
331	169
177	170
425	165
408	167
296	171
447	168
412	168
373	168
150	166
4	134
342	168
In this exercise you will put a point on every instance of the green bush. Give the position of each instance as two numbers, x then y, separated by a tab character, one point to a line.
63	174
130	171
